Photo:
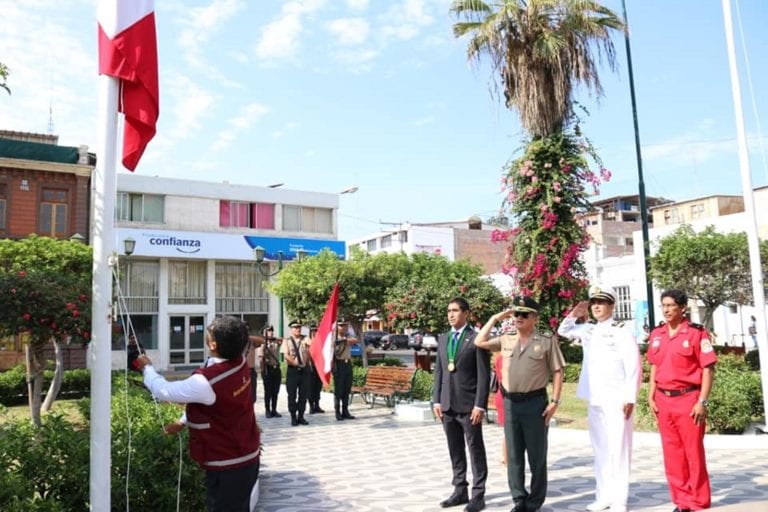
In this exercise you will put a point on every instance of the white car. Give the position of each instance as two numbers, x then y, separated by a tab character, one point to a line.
428	342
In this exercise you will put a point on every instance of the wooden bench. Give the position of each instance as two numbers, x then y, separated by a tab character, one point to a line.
392	383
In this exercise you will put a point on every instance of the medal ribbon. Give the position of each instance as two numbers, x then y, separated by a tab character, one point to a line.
454	344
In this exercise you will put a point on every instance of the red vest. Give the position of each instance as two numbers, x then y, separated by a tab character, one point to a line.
224	435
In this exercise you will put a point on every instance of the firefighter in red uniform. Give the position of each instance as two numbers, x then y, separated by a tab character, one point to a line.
682	371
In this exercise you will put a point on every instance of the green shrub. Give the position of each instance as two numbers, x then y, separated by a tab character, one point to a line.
572	353
571	372
422	385
753	360
13	384
47	469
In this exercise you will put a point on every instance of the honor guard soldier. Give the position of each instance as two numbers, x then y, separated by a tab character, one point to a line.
342	371
271	374
254	362
315	384
609	381
296	352
682	372
530	359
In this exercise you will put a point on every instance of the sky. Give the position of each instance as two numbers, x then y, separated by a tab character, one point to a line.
324	95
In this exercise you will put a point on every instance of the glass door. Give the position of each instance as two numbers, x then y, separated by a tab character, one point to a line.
187	339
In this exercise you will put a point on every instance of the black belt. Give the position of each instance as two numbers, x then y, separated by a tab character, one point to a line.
678	392
522	397
342	360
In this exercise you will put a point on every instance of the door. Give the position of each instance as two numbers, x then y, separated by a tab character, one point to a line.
187	340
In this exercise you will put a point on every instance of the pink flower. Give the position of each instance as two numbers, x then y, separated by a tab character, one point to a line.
534	179
556	186
556	199
27	316
22	273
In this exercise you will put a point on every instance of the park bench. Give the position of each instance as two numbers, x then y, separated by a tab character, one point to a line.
392	383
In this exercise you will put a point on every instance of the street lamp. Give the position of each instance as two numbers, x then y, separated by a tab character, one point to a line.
129	245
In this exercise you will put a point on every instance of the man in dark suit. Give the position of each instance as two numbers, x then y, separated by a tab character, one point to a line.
460	396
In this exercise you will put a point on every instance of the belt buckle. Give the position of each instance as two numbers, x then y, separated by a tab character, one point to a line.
667	392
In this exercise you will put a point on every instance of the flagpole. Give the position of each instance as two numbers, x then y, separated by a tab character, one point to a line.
102	237
758	292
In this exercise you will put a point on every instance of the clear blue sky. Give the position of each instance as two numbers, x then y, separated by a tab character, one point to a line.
327	94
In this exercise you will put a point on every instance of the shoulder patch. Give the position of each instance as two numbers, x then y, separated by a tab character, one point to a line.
706	346
696	326
618	324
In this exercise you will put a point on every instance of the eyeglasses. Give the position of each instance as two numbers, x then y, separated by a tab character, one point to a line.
521	314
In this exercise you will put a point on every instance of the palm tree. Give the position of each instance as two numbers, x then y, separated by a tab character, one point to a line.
540	50
4	76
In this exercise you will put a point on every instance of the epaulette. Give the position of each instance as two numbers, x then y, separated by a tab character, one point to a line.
592	321
697	326
618	323
547	334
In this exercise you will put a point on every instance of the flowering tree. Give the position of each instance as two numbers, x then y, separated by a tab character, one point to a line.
46	289
540	51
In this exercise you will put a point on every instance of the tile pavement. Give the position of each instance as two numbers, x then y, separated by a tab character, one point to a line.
379	463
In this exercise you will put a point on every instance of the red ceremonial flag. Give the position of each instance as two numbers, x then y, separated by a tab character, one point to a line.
128	51
321	349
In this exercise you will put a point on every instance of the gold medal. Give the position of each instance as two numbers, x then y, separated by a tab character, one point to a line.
451	367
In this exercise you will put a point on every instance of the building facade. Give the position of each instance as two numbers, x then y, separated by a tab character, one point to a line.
191	258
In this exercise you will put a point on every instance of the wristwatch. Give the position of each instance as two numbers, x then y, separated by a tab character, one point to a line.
705	403
556	401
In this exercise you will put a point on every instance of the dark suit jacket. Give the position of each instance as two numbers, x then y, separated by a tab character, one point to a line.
467	387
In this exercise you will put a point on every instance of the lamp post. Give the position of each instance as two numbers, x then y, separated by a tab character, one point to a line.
259	256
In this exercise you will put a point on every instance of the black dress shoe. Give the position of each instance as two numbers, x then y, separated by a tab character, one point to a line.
276	414
294	422
268	414
347	416
319	410
678	509
518	508
476	504
312	411
302	421
455	499
339	417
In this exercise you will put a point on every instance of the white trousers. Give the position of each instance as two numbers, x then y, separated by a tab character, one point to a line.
611	437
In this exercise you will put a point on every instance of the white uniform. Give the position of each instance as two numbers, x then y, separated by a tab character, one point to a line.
610	377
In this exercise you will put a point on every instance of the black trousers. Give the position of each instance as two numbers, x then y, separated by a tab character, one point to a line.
315	387
254	379
272	378
460	432
526	433
230	490
342	382
297	386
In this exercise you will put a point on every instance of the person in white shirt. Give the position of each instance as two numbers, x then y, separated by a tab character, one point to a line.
609	381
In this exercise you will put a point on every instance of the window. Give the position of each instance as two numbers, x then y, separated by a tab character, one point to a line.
312	220
370	245
623	309
386	241
697	211
2	205
139	284
240	289
186	282
53	213
246	215
140	207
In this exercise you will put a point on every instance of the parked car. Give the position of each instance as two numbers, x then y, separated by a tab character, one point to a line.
394	341
373	337
422	340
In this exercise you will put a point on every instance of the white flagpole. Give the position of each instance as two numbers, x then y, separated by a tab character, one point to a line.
102	231
758	293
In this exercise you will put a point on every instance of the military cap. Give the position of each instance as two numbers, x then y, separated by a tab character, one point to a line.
525	305
295	323
601	292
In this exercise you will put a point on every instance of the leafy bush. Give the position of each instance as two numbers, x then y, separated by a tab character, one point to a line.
13	384
422	385
571	372
572	353
47	469
753	360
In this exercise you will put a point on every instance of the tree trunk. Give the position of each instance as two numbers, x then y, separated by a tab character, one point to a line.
34	353
358	328
58	376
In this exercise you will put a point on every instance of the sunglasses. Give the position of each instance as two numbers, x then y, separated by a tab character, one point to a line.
520	314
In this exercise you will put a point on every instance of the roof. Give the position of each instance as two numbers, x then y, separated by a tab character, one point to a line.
36	151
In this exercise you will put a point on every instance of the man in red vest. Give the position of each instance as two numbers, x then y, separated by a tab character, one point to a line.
682	371
223	435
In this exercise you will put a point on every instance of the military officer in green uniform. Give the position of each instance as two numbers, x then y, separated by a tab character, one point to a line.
342	371
530	359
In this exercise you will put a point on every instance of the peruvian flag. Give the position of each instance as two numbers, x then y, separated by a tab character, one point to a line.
321	348
128	52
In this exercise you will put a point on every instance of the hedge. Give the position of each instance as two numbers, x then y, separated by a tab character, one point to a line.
13	384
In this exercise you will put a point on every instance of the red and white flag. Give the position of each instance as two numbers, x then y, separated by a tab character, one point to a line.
128	51
321	349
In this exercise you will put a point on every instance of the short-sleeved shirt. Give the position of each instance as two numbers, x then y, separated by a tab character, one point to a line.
343	348
528	369
270	351
680	359
302	345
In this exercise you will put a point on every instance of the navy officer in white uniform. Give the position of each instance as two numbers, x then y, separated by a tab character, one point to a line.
609	381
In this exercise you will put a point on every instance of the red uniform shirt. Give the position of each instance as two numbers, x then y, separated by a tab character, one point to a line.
680	358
